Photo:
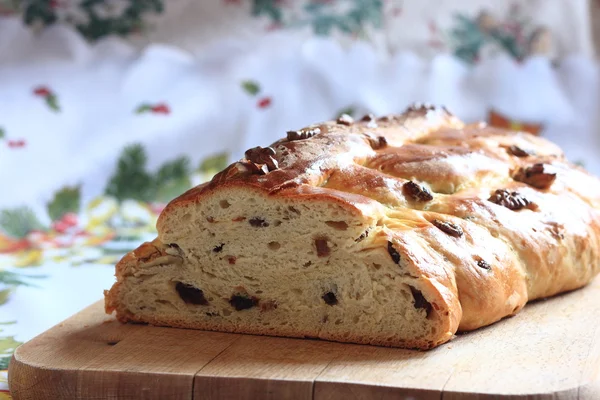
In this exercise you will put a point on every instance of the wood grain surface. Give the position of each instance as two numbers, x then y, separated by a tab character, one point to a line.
551	350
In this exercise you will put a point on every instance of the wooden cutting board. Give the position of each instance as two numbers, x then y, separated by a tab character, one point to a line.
551	350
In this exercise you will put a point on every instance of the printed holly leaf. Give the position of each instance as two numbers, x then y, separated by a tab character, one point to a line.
172	179
171	189
66	200
52	102
131	180
16	279
2	133
143	108
176	169
216	162
348	110
39	11
4	295
251	87
271	8
8	345
18	222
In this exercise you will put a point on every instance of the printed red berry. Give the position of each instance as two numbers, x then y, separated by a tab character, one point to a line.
15	144
60	226
161	109
42	91
70	219
264	102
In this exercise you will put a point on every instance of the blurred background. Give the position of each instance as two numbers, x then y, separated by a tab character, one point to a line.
108	109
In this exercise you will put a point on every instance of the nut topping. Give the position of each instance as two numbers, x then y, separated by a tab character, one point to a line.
421	107
519	152
536	176
303	133
370	120
416	192
511	200
345	119
264	156
448	227
376	142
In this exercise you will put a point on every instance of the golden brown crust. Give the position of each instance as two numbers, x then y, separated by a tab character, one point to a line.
489	218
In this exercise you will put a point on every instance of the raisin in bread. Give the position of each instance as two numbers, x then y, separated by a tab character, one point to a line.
395	231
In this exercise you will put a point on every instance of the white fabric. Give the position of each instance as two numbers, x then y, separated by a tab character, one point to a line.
100	85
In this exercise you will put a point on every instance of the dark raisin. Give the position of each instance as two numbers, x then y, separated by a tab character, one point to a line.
448	227
511	200
191	294
519	152
219	248
345	119
420	302
323	249
416	192
231	260
240	302
330	298
393	253
362	236
258	222
536	176
483	264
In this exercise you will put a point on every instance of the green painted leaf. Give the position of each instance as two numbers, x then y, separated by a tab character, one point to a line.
172	179
270	8
2	133
214	163
4	294
66	200
131	180
251	87
172	188
143	108
52	102
348	110
18	222
16	279
173	170
8	344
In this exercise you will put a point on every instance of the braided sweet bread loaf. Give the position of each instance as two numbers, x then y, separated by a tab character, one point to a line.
395	231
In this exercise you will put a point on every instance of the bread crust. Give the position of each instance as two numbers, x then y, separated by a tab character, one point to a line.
492	218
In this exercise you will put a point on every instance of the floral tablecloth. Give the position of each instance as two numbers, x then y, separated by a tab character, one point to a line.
97	136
